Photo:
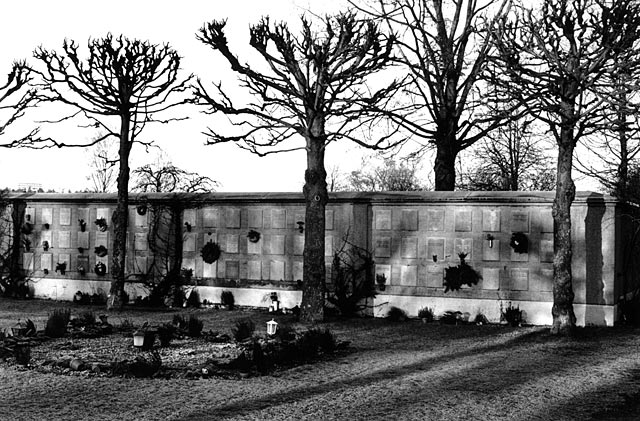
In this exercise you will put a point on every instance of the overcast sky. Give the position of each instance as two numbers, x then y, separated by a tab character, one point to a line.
27	24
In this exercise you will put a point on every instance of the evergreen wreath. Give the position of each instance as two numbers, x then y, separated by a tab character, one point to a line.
253	236
101	251
210	252
519	242
100	269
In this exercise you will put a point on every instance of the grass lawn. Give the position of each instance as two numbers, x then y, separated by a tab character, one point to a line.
403	370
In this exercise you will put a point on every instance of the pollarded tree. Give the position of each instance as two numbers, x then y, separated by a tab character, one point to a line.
445	47
554	60
123	82
312	92
15	99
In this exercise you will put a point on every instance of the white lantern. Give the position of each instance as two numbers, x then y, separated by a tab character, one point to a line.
272	326
138	338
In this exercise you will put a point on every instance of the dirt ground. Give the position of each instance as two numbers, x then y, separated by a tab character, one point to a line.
406	370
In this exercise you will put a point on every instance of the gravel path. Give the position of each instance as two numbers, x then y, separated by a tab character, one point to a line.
396	371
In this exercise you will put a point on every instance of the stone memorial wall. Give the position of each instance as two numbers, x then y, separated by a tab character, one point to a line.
413	237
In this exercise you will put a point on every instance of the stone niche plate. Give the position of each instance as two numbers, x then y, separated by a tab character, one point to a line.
519	279
210	217
255	218
463	245
491	220
491	250
276	270
409	221
520	221
382	219
278	218
491	278
409	247
254	269
463	221
435	247
435	276
435	220
65	216
382	247
408	275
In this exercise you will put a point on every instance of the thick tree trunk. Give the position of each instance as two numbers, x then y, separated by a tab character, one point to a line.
120	221
316	198
444	169
564	319
176	256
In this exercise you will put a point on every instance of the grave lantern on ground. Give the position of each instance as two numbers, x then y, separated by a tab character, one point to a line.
138	339
272	326
275	304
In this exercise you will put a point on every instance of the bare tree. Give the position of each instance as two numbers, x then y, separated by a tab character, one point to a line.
387	174
511	158
125	82
554	59
166	177
15	99
310	88
445	48
103	163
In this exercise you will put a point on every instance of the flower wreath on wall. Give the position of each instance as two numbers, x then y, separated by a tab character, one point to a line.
100	269
519	242
210	252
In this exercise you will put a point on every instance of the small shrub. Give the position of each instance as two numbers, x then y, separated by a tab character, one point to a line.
314	340
22	353
481	319
451	317
511	314
426	313
194	326
194	299
243	329
227	299
286	332
396	314
180	321
166	333
57	323
146	365
126	325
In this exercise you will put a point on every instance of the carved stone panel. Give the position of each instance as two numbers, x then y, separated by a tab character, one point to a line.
28	262
276	270
463	221
328	246
546	220
47	216
278	218
491	250
519	279
435	276
382	247
435	220
254	269
408	275
64	239
231	245
45	261
409	247
140	242
65	216
491	220
255	218
232	269
409	221
520	221
232	218
189	217
463	245
328	220
209	270
297	271
83	239
546	251
298	244
435	247
491	278
254	248
276	244
210	217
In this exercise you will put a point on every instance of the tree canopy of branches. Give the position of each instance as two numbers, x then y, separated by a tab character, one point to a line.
445	48
166	177
15	99
511	158
312	92
387	174
554	59
126	82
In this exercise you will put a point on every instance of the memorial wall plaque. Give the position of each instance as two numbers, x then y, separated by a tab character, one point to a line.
491	220
409	220
520	257
83	213
435	220
65	258
255	218
276	270
435	276
491	250
408	275
520	221
254	269
232	218
28	262
276	244
463	245
140	220
45	261
83	240
65	216
140	242
462	218
140	264
30	215
545	282
64	239
46	236
435	247
297	271
409	247
328	246
102	239
210	236
83	262
189	217
328	218
209	269
103	213
278	218
47	216
546	220
546	251
298	245
382	219
382	247
232	243
384	270
254	248
490	278
189	264
232	269
519	279
210	217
